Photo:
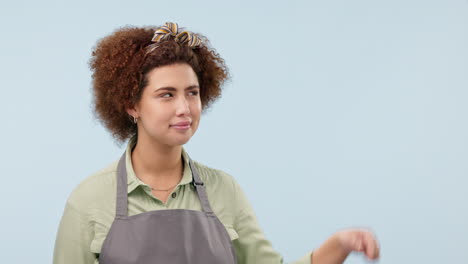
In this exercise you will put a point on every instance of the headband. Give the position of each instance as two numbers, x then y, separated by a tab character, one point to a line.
171	30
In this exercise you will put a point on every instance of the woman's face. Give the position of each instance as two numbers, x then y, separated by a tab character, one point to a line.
171	96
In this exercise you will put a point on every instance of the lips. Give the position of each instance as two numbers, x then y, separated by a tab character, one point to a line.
182	124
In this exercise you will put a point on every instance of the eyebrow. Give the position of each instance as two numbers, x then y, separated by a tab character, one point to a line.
169	88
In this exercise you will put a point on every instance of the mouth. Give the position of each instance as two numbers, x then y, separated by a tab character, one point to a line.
182	127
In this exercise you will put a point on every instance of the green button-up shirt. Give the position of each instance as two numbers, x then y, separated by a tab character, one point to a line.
90	211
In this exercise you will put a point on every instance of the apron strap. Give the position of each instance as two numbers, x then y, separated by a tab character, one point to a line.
122	189
200	188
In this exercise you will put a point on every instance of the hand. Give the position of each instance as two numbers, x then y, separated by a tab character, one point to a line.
359	240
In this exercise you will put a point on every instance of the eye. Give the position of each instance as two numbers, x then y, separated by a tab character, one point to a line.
164	95
194	92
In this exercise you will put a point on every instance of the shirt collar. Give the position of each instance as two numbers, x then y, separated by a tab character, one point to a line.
133	181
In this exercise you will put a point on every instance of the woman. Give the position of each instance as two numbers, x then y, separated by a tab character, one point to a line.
155	204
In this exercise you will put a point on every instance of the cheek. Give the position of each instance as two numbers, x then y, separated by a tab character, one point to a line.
196	112
197	107
157	116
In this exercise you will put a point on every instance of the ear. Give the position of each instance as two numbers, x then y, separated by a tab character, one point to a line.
133	112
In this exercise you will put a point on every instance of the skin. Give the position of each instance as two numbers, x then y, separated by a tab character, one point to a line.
157	157
338	246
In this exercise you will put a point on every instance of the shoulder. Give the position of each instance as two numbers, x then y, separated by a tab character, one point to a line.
215	177
219	184
98	188
223	192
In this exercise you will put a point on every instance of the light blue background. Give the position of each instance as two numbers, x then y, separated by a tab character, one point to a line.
339	114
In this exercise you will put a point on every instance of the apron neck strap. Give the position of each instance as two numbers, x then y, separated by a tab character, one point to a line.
122	188
200	188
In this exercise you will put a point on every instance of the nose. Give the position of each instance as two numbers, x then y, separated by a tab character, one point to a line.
182	107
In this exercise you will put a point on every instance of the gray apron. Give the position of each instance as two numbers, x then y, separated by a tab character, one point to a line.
172	236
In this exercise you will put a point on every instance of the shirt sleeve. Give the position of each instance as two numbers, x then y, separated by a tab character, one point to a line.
74	235
252	247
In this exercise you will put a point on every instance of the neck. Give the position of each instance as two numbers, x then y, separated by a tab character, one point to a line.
157	164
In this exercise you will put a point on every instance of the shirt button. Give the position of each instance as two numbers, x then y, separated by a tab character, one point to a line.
174	195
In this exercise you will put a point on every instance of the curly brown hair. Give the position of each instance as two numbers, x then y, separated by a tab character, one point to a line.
119	66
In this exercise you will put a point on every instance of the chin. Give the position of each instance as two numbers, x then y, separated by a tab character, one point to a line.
180	141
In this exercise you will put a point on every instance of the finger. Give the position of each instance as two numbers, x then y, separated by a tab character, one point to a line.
377	249
359	243
371	246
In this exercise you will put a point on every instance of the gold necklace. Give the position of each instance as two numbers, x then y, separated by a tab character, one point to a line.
165	190
162	190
